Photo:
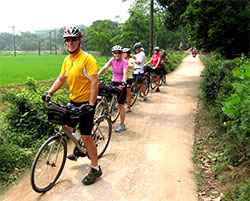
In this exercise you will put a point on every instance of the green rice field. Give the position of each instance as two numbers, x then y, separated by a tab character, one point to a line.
15	70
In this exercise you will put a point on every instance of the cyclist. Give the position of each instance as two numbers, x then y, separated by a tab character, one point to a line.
138	67
163	60
80	70
156	65
119	79
126	55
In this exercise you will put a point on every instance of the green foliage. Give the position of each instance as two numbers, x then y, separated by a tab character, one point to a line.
226	82
25	125
102	35
221	26
240	192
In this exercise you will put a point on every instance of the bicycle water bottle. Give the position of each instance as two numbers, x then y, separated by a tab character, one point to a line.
76	134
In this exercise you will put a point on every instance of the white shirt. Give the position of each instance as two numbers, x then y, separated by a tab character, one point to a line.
141	58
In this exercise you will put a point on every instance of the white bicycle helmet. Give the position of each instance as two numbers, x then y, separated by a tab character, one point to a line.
126	50
137	45
72	32
117	48
157	48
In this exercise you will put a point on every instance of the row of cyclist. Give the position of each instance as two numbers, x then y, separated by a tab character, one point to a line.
81	72
128	68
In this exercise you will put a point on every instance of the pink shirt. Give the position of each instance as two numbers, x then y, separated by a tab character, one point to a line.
117	68
155	58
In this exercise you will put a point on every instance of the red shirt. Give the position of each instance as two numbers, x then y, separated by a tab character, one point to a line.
155	58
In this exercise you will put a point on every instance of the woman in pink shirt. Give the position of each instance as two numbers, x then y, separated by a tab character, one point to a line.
120	71
156	65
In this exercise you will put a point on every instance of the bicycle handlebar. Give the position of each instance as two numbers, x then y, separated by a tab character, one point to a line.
69	106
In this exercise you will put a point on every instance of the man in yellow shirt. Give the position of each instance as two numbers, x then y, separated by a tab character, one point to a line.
80	70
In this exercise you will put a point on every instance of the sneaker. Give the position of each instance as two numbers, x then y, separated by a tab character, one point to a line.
157	90
76	154
144	98
92	176
120	128
128	110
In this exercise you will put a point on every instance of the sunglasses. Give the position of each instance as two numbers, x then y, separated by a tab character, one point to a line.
117	53
71	39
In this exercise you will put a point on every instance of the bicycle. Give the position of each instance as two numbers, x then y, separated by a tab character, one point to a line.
152	76
108	102
136	89
49	161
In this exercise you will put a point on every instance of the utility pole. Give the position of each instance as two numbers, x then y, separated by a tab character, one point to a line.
50	42
55	42
14	41
151	26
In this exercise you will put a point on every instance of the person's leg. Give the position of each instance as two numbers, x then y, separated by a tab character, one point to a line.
91	149
128	98
122	113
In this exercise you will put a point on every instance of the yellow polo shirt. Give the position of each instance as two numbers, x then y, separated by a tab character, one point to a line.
77	72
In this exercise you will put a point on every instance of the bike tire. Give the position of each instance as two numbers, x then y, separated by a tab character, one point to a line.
99	109
101	134
153	83
114	110
44	171
134	93
146	84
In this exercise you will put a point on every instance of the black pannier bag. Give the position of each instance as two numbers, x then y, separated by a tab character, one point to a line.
58	115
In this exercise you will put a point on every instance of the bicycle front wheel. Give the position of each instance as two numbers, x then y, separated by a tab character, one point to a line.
48	164
101	134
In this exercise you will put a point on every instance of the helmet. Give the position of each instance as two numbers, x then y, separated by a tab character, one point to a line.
72	32
137	45
157	48
117	48
126	50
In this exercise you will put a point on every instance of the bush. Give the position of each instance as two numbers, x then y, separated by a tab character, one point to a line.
25	125
226	82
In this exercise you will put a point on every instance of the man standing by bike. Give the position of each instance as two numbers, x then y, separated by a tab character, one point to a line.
156	65
119	79
80	70
138	67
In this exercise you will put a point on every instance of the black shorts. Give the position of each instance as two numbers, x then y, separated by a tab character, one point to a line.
163	70
158	71
123	93
138	78
130	81
86	121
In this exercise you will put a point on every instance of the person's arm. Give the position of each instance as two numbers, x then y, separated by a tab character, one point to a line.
159	60
125	74
104	68
57	84
94	88
149	62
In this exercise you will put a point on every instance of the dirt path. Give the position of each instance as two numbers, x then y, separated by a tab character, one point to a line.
151	161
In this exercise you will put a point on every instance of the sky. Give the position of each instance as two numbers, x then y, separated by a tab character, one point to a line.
31	15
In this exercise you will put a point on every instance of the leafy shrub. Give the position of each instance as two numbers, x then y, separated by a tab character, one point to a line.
232	119
25	125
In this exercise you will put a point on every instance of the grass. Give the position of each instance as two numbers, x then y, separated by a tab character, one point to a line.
15	70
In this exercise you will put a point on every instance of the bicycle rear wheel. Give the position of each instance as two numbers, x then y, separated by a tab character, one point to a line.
101	134
134	93
153	83
48	164
114	109
146	83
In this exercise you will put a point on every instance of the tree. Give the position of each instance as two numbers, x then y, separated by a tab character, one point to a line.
102	35
221	26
